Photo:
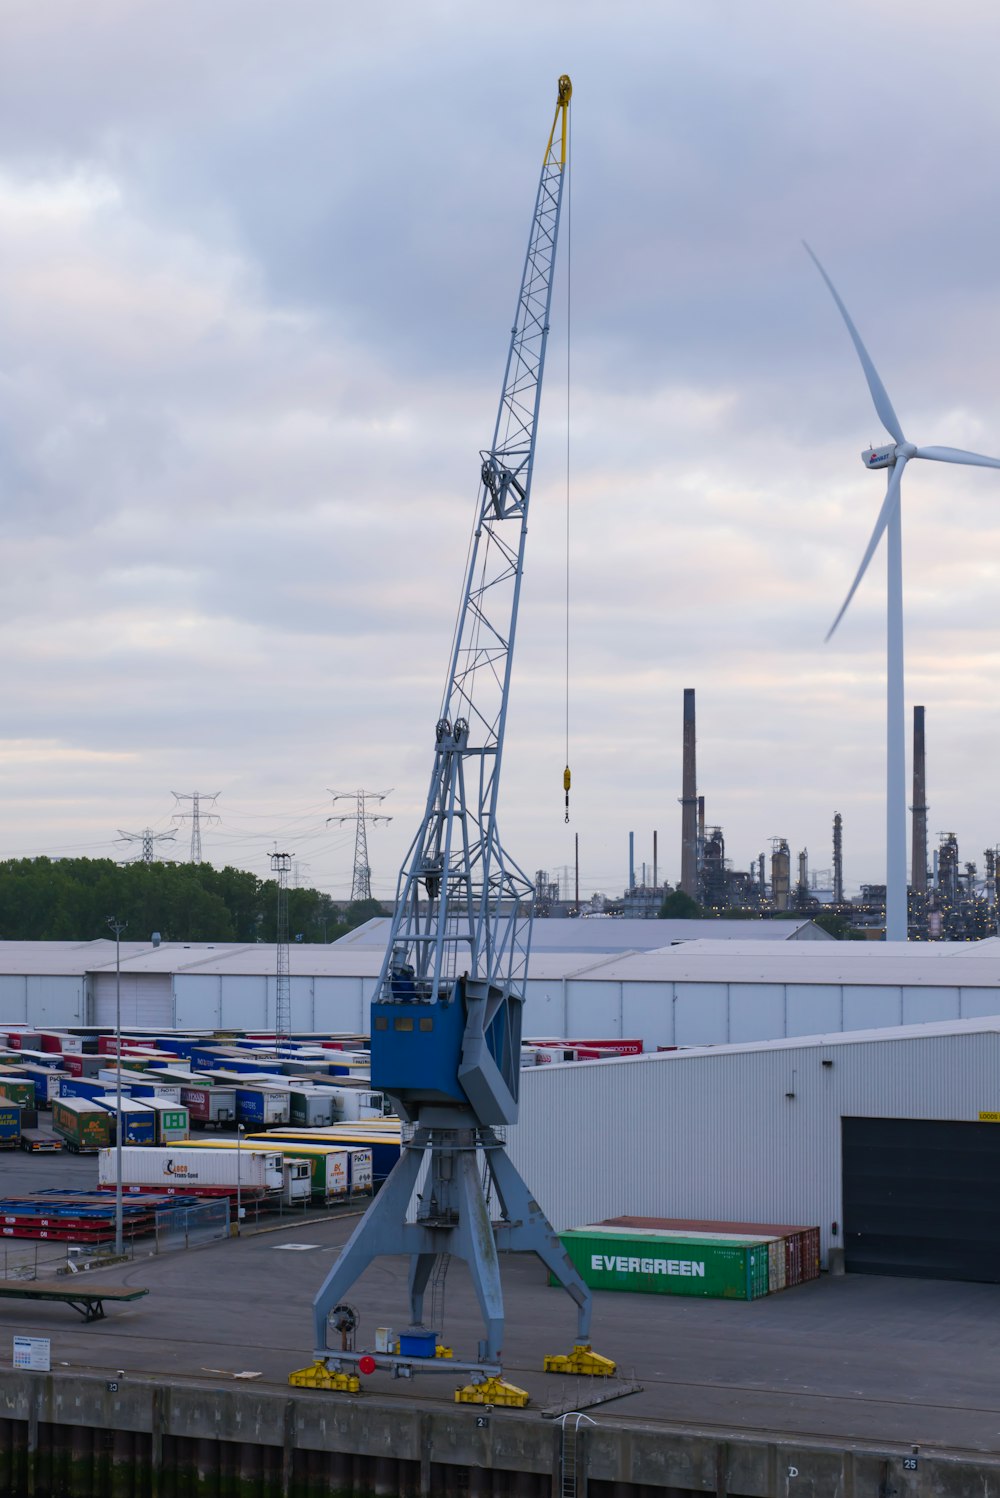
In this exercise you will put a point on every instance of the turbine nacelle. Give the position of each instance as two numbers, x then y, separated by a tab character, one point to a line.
879	457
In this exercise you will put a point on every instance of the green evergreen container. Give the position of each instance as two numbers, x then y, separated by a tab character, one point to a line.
654	1263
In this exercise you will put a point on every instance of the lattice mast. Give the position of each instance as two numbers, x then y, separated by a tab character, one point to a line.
281	864
462	905
361	885
196	815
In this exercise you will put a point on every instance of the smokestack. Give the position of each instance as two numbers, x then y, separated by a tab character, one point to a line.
631	860
655	865
689	802
918	874
838	859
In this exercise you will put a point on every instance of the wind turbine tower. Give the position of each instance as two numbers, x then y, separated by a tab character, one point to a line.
893	457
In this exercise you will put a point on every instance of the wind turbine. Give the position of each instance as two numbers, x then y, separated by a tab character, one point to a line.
894	457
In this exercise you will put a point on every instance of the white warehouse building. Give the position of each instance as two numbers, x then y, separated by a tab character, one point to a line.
888	1140
704	992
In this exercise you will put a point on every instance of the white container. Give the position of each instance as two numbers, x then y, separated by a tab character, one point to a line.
298	1182
354	1103
163	1168
361	1170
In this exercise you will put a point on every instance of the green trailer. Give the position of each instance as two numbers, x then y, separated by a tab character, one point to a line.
17	1090
657	1263
82	1123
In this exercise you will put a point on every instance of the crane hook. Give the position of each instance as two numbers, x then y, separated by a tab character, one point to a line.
566	785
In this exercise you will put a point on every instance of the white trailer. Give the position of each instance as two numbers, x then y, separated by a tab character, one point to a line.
166	1168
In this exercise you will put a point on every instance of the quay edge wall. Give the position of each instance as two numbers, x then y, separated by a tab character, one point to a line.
423	1450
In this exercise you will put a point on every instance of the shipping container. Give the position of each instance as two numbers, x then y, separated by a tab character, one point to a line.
165	1092
84	1124
261	1106
171	1122
138	1123
10	1125
650	1262
210	1105
311	1107
18	1090
92	1087
297	1190
382	1139
329	1167
192	1169
83	1065
801	1244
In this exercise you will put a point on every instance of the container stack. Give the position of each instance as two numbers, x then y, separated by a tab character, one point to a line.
794	1261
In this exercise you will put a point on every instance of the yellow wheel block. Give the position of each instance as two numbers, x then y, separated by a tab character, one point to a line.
581	1360
319	1376
493	1391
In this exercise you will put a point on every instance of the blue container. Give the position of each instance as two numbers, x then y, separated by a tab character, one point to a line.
179	1047
84	1087
417	1343
249	1106
138	1125
10	1123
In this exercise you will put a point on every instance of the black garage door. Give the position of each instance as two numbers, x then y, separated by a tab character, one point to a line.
922	1198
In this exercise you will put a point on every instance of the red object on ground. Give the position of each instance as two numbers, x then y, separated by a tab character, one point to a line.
366	1364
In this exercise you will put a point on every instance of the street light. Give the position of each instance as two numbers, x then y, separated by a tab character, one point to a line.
239	1196
118	927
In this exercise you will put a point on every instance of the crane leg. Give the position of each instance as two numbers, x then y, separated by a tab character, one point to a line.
476	1245
531	1232
421	1269
380	1231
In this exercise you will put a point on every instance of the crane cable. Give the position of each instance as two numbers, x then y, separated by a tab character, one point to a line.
569	310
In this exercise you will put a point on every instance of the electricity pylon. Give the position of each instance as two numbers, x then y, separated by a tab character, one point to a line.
361	887
196	814
148	839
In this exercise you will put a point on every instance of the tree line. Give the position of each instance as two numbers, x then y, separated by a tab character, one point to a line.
71	899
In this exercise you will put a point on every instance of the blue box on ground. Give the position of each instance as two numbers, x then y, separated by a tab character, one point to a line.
417	1344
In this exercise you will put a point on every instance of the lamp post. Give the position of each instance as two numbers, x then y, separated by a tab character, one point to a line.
239	1186
118	927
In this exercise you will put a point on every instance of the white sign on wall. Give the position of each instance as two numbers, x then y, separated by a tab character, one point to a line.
34	1353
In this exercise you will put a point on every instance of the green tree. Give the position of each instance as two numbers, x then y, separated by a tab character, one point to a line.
678	906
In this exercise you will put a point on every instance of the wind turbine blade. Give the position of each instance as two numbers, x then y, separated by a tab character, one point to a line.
957	455
884	516
883	405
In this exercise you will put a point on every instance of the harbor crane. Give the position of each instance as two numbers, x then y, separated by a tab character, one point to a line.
446	1012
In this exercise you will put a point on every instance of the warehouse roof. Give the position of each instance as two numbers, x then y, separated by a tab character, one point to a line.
988	1024
621	934
894	964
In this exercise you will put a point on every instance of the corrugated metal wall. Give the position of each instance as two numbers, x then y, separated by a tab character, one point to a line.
710	1013
717	1136
147	999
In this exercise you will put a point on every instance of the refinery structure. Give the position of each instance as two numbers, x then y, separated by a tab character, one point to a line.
949	899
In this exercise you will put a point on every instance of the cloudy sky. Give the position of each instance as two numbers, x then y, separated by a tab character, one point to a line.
257	268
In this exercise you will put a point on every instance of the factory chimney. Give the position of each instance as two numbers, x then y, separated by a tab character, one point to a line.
918	875
689	802
838	859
